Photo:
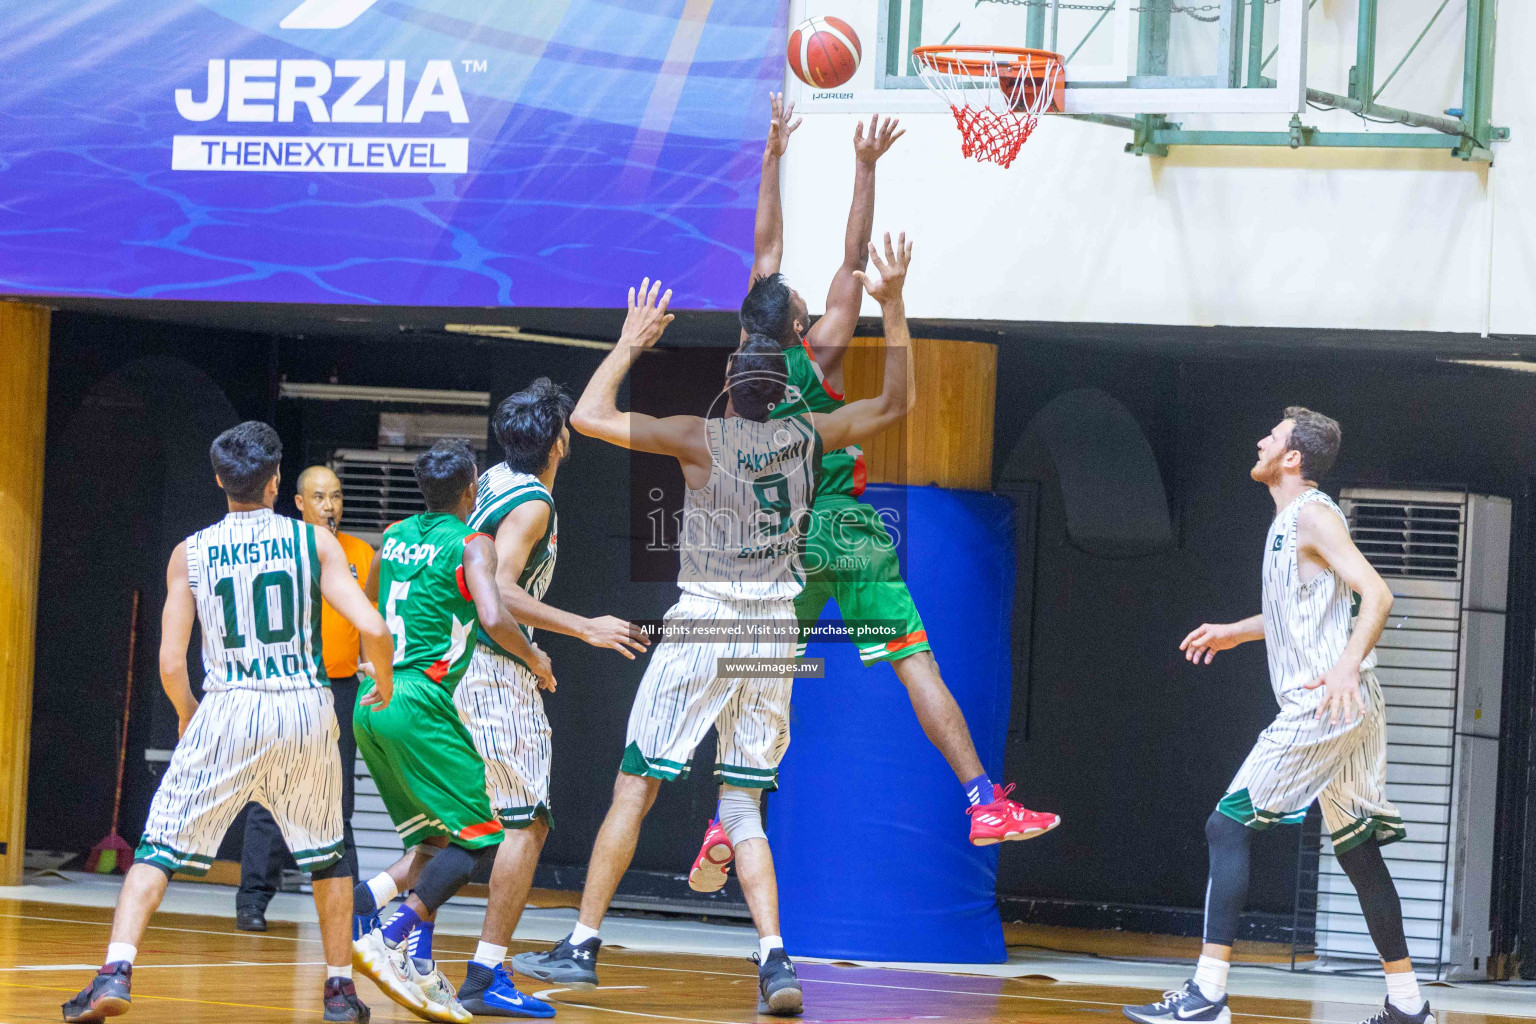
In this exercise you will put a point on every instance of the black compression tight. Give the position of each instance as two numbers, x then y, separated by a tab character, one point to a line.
1379	902
1227	891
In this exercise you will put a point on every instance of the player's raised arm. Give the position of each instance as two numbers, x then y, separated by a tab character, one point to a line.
343	594
519	531
768	232
831	334
495	619
858	421
597	413
1202	643
1322	535
175	633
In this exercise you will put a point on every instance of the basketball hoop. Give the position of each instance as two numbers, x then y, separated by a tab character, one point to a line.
997	93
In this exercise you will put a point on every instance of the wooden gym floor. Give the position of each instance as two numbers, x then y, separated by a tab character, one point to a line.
200	970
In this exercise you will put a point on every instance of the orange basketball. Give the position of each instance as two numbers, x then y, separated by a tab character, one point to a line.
824	52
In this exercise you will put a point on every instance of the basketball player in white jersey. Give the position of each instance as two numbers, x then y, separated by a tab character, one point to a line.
499	698
844	529
1328	743
266	728
750	483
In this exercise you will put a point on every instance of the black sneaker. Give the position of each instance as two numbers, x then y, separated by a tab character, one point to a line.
106	996
778	987
1390	1014
341	1002
574	967
1179	1005
251	919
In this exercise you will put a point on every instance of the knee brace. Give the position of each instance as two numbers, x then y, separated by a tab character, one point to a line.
446	873
740	814
1227	891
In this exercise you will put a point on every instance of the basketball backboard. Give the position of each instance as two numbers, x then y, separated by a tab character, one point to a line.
1123	56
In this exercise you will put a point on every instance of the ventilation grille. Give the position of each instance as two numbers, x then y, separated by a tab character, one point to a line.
380	489
1418	540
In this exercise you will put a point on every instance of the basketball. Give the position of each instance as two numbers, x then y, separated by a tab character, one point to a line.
824	52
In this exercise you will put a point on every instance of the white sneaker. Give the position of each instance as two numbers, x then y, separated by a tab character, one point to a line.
442	999
387	967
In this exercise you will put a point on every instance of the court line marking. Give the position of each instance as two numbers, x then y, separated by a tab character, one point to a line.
175	999
729	974
547	994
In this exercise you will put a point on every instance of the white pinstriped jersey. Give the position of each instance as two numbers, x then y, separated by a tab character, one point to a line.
501	490
256	580
743	531
1306	624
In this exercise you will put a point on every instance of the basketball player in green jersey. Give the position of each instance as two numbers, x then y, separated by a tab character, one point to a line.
435	581
845	531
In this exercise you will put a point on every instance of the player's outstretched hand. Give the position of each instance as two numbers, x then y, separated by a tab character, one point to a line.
542	668
617	634
892	270
647	317
1341	694
872	146
781	127
1202	643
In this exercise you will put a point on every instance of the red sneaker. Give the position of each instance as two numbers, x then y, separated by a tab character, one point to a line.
713	862
1002	820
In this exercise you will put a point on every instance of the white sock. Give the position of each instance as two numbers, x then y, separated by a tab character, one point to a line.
1403	992
581	933
120	951
489	955
1211	977
767	944
383	888
345	973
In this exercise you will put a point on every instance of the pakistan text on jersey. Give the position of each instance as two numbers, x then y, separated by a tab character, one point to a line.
270	667
250	552
757	461
395	551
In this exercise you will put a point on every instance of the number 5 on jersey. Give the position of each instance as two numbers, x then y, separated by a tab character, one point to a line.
399	590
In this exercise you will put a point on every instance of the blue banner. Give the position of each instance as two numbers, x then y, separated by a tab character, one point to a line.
413	152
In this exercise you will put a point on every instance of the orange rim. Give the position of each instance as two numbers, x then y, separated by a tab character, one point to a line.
951	60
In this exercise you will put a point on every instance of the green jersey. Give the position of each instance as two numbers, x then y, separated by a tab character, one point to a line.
842	469
502	489
425	599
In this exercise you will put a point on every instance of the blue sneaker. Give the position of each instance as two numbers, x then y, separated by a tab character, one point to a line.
1180	1005
491	993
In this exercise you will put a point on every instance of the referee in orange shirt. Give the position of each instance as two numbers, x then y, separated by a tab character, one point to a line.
264	853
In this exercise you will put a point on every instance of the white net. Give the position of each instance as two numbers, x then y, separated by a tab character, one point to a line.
996	95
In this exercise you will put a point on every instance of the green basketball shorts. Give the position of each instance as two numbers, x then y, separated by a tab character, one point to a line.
424	762
849	558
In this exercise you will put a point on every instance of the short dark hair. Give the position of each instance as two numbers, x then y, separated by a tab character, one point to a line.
245	456
756	377
766	310
527	424
1317	438
444	472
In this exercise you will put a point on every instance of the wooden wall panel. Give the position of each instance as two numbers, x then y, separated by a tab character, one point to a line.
947	439
23	406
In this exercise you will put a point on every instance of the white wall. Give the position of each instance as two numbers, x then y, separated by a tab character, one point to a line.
1078	230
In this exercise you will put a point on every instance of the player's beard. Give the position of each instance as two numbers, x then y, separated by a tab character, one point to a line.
1265	472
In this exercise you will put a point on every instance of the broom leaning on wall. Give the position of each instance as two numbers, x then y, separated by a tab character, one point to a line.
113	854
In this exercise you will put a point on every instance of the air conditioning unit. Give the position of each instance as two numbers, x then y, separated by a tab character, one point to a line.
379	490
1445	554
